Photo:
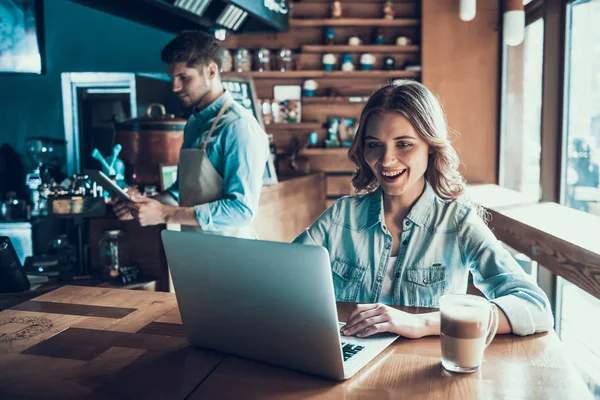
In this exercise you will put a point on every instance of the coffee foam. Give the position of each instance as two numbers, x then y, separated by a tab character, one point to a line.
464	321
467	312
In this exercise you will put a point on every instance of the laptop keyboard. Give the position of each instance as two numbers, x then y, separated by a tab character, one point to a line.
349	350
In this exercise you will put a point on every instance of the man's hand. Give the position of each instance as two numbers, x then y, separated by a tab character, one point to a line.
148	211
369	319
121	208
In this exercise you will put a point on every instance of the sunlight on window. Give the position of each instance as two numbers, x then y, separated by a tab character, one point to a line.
580	324
581	171
522	106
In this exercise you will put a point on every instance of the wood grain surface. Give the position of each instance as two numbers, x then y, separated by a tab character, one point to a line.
144	354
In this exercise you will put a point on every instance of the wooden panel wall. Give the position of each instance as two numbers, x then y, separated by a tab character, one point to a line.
461	65
288	208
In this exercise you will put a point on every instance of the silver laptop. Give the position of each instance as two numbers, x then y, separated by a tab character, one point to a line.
267	301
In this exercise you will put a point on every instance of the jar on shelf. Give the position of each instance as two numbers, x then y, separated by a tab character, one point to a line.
263	60
267	112
330	36
114	254
242	61
227	64
284	60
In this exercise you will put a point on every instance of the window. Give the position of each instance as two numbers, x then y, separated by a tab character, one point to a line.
579	327
521	117
580	184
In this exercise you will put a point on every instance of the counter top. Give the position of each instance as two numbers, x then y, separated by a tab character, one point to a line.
99	343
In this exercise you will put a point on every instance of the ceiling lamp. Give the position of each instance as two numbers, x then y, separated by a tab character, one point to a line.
467	10
513	22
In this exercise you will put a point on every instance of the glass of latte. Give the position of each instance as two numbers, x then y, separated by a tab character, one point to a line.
468	325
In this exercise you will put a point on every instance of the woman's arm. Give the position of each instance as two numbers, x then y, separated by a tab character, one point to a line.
369	319
498	276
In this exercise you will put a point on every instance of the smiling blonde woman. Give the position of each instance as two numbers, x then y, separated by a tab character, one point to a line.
407	237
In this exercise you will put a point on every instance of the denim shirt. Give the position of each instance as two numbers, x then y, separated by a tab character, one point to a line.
239	150
441	242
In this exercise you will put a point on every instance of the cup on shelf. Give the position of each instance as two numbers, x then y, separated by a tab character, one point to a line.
329	61
309	88
347	63
403	41
366	62
354	41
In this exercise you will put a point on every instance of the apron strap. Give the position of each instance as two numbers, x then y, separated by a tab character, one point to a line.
224	108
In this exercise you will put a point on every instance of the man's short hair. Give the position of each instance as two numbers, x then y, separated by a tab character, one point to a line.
194	48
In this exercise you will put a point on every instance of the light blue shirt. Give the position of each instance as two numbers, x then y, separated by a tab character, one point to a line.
441	241
238	149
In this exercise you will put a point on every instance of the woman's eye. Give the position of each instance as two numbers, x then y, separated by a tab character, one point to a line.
403	145
372	145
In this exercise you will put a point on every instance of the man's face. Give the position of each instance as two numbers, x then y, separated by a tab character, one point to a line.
190	84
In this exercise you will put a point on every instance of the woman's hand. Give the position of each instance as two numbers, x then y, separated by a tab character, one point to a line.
368	319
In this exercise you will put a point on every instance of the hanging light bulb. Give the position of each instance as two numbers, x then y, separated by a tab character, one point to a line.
467	10
513	23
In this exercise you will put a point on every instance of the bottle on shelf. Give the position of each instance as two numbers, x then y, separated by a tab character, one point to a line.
285	60
242	61
227	64
330	36
263	60
336	9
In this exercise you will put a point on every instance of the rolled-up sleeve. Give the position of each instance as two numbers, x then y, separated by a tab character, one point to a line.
502	280
245	154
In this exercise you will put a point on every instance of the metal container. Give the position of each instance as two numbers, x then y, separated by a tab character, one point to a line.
149	142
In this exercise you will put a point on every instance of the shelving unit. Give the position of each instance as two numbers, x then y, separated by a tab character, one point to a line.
339	94
294	125
311	74
335	99
400	22
374	48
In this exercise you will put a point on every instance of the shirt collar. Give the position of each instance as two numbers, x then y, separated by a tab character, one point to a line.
213	108
418	214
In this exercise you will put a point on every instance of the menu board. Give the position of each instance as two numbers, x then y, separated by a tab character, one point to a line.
242	93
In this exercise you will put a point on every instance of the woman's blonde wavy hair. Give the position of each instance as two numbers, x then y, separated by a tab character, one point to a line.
422	109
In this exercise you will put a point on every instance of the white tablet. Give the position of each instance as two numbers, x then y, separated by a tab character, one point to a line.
108	184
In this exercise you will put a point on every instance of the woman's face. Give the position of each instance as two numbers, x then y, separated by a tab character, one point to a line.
396	154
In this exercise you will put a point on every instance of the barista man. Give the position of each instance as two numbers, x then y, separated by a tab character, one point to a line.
224	152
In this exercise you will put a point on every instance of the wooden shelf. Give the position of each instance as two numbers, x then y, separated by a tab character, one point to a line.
334	48
321	22
335	99
322	151
326	74
294	125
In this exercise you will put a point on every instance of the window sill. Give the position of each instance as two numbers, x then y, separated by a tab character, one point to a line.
562	239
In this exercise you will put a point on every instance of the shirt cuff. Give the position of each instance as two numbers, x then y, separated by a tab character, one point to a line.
203	216
520	320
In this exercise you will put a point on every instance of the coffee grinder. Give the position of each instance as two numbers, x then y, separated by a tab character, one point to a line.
47	155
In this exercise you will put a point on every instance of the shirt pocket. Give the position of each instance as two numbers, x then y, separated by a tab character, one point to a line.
426	285
347	279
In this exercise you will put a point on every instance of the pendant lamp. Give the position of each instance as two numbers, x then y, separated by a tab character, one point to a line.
513	22
467	9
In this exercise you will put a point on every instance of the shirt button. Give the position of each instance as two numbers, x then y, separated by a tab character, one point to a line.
405	242
388	246
346	275
379	279
397	274
407	223
426	281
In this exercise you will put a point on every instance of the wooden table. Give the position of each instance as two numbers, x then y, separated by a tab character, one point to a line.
100	343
